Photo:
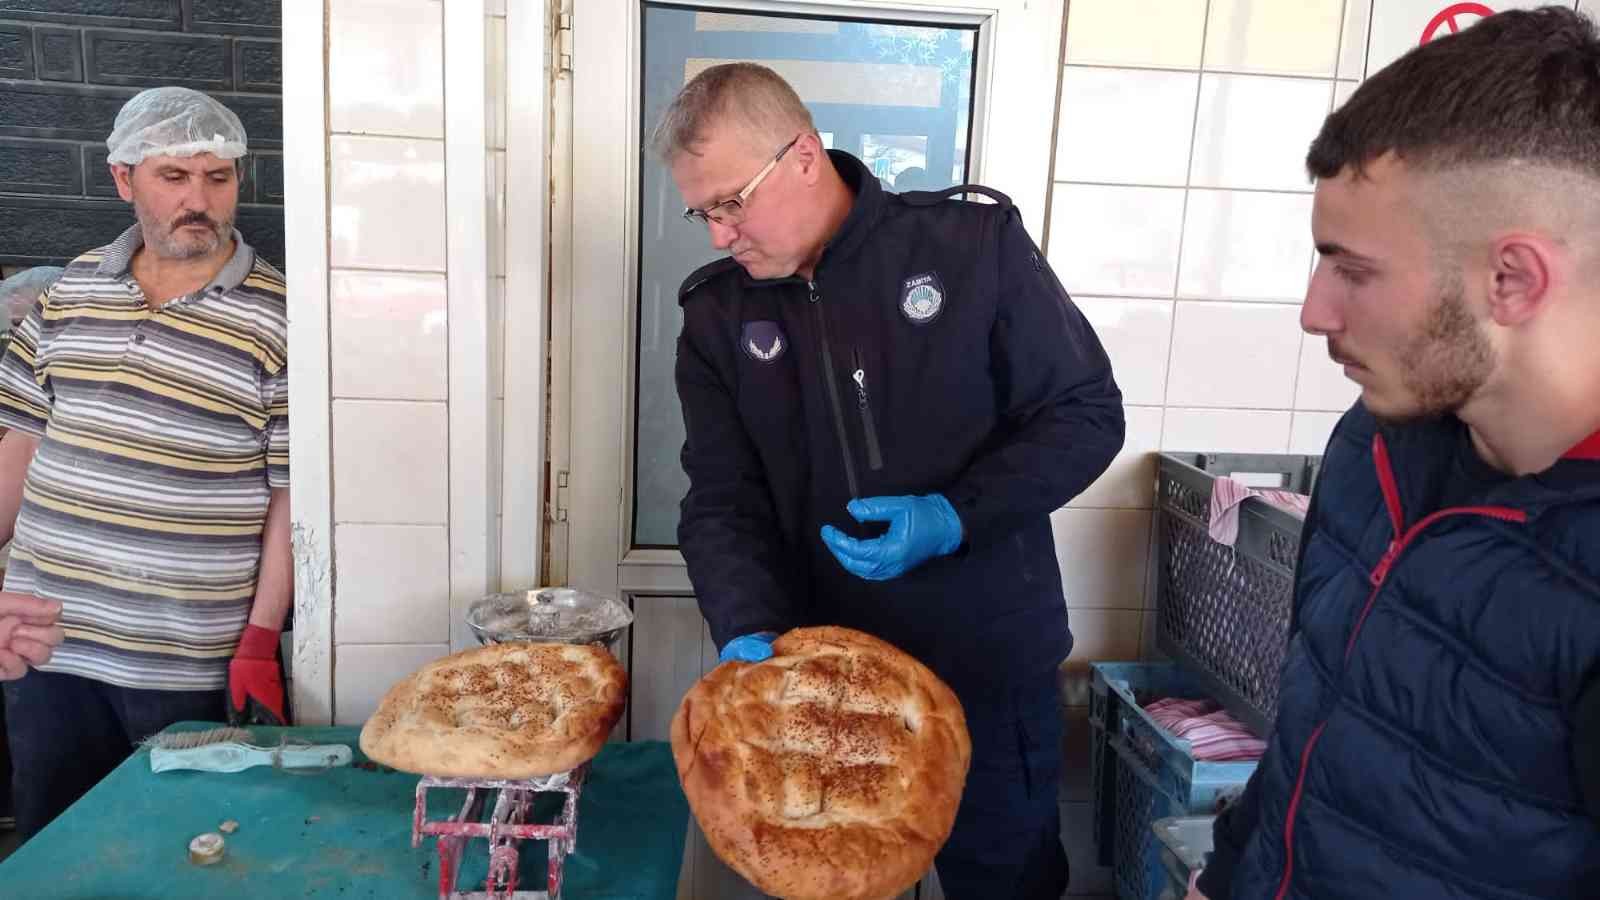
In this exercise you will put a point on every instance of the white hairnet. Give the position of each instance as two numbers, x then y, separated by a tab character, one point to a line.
174	121
21	291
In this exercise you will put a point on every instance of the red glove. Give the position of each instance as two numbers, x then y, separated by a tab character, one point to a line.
255	683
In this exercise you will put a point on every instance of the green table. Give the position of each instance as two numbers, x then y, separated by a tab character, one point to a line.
343	833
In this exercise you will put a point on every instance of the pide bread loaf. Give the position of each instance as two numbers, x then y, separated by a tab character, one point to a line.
831	771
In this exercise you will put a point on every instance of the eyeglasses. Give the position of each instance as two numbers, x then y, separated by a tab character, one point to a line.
731	211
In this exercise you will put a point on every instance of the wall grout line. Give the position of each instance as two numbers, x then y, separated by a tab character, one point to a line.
1287	192
1208	70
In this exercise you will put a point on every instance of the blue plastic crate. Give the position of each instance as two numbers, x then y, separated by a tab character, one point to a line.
1185	847
1143	773
1140	683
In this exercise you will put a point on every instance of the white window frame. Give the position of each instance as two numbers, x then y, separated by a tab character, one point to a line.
1019	57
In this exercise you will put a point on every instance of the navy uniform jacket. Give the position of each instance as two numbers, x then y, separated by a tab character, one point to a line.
934	351
1438	732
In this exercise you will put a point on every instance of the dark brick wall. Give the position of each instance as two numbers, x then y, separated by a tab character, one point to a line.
67	66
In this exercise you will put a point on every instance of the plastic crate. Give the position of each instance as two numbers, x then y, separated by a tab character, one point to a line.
1139	683
1185	846
1144	774
1224	611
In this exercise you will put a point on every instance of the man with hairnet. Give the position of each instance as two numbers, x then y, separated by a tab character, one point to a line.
144	473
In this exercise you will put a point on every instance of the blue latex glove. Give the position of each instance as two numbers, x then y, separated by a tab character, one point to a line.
751	648
920	528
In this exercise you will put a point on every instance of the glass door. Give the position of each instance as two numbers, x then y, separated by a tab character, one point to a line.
928	94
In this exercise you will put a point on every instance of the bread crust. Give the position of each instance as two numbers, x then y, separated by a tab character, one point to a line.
504	711
832	770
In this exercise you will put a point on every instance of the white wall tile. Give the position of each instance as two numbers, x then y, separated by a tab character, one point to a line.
1136	32
1309	435
497	337
394	584
1150	114
1129	482
1116	240
1353	46
390	462
495	46
1234	355
1136	335
386	67
1298	38
1342	91
1225	430
497	210
363	673
497	457
389	335
1252	131
387	203
1321	384
1240	245
1104	635
1102	554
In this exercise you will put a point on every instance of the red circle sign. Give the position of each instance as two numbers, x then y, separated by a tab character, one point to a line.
1447	19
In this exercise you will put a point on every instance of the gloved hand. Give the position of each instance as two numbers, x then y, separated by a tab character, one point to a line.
751	648
920	528
255	683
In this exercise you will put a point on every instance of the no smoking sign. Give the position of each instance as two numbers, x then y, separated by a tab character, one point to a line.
1453	18
1399	25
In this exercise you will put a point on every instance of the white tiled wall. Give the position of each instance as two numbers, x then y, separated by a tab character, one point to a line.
1180	223
389	335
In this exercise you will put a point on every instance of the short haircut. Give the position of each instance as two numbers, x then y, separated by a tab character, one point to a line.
752	98
1521	85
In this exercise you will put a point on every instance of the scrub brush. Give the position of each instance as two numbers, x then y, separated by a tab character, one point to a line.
230	750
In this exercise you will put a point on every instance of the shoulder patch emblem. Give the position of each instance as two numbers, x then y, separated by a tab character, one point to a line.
921	298
763	341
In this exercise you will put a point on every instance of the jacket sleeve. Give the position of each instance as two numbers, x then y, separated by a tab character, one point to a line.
1228	836
1061	410
743	575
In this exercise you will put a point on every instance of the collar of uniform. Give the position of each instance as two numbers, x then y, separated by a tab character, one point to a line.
856	226
863	212
118	258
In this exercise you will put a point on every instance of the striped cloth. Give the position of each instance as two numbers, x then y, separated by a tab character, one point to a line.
1226	496
1213	734
162	433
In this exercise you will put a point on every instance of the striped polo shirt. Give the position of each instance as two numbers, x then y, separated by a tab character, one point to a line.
162	432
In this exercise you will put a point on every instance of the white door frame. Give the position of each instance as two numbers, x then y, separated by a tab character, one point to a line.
305	188
527	198
1011	151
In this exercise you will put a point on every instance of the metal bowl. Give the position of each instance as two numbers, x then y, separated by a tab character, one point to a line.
560	615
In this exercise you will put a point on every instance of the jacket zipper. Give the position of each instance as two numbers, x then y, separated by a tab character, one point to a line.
874	452
830	379
1404	537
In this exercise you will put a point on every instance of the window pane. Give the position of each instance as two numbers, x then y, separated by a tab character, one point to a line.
898	96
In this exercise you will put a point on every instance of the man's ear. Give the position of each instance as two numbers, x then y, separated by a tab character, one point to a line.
1523	268
122	174
811	156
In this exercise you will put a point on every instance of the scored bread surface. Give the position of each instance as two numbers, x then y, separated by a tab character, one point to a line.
505	711
832	770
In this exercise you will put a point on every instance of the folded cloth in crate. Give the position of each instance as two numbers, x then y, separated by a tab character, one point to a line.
1227	494
1213	734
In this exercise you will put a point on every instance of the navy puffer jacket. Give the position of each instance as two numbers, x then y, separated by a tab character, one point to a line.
1441	686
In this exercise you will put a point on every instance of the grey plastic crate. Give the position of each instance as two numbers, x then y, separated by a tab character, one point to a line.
1223	612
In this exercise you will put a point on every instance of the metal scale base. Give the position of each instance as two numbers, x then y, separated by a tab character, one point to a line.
506	829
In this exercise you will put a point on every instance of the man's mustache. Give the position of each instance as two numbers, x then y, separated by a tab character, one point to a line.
193	219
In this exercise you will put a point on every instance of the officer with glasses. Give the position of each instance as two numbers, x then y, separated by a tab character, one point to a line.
885	396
